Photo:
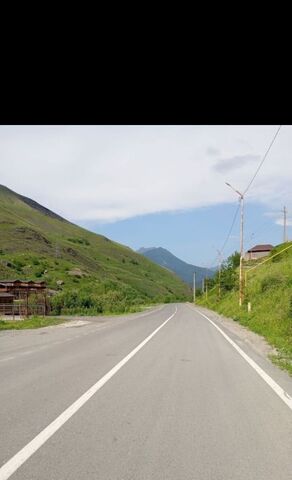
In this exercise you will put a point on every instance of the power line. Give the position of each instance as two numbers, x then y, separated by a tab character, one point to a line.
215	261
264	158
256	233
252	233
248	187
266	225
231	228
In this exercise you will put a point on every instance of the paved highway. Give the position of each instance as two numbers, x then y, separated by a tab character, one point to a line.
156	395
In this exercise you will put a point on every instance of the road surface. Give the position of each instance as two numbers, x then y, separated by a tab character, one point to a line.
184	405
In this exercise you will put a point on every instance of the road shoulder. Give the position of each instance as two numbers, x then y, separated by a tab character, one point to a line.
251	343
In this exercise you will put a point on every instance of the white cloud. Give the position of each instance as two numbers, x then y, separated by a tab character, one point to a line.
225	165
280	221
278	217
107	173
212	151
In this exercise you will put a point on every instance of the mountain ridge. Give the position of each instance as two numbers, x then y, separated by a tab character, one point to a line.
184	270
38	244
33	204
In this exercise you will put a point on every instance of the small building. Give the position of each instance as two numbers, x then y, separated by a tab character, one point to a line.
258	251
6	303
20	288
19	297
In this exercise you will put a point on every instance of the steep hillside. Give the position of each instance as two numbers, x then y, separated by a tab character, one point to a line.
37	244
269	291
184	270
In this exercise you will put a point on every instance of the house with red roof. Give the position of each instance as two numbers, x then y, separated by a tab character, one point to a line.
258	251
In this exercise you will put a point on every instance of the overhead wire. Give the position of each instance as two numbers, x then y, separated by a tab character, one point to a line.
248	187
264	158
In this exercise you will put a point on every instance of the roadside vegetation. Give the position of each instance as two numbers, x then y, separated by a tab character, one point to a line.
269	291
31	322
85	273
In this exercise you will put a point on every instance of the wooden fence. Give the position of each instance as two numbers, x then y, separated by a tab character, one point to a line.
23	310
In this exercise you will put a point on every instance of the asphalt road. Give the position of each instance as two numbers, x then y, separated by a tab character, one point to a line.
184	406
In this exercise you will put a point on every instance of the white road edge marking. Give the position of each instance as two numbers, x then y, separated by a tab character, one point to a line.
274	385
28	450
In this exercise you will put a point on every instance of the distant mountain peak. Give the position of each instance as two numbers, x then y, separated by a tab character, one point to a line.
144	250
37	244
184	270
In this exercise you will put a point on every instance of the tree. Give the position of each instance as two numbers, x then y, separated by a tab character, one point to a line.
229	277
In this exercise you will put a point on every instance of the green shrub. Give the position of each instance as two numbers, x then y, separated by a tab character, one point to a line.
81	241
18	264
271	281
134	262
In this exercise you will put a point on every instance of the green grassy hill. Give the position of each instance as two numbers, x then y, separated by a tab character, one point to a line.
269	290
87	271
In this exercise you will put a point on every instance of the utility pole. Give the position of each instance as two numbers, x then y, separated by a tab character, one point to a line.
241	286
203	289
194	286
285	224
241	279
219	273
206	288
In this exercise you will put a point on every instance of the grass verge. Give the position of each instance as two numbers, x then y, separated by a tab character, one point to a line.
267	319
39	322
270	315
32	322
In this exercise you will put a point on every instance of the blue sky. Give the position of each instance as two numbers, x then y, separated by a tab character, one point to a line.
155	185
194	235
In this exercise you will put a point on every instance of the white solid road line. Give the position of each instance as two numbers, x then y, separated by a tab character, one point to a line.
26	452
274	385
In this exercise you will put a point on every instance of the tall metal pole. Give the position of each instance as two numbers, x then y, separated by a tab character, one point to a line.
194	286
241	280
285	224
219	273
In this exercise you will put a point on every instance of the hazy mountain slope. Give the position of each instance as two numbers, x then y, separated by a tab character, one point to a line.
184	270
35	243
